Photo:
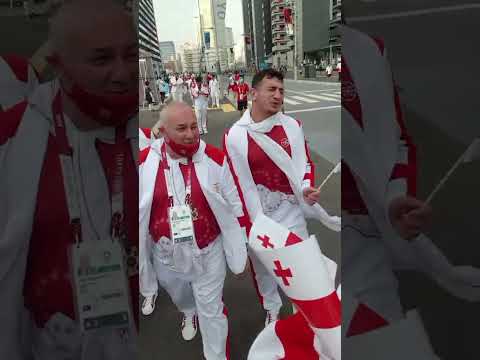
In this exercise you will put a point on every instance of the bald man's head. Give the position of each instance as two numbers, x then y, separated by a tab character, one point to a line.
76	19
174	111
178	122
96	45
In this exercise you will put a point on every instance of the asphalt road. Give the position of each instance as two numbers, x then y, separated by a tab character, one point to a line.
160	333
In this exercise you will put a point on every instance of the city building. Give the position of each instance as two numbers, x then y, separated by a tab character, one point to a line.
211	24
191	58
150	60
39	8
305	33
230	46
167	50
178	63
282	22
335	20
248	38
147	30
262	32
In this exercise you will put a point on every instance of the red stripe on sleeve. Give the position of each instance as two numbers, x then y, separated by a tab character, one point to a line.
244	221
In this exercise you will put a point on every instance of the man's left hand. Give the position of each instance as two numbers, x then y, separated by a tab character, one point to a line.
311	195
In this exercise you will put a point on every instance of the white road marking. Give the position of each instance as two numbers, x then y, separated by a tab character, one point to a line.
289	101
313	109
324	97
304	99
330	91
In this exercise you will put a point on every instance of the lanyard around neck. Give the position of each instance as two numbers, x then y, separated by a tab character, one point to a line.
71	186
171	191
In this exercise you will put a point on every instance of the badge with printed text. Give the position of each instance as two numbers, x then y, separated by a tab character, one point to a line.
101	286
181	224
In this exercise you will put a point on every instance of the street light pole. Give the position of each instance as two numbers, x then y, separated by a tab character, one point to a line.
295	40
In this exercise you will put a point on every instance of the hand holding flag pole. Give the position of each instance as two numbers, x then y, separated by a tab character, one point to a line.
472	153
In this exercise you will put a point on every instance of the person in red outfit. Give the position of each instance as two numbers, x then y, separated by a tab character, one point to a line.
242	90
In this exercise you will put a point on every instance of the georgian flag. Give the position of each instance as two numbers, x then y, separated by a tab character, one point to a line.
145	137
18	79
303	273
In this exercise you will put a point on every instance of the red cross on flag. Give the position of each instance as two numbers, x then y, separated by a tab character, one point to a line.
307	278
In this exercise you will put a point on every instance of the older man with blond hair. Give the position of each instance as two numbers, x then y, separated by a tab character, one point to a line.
191	220
68	195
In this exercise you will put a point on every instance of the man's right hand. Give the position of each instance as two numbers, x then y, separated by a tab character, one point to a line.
409	216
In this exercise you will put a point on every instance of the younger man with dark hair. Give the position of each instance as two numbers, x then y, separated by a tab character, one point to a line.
270	158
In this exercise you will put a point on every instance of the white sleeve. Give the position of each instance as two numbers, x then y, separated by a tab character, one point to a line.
230	191
18	193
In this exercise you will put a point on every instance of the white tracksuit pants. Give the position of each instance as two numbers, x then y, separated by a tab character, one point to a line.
203	294
365	256
215	95
201	105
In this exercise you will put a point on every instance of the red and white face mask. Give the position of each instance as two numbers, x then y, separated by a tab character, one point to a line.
108	110
185	150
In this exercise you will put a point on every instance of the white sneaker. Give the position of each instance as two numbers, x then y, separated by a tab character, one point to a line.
189	326
272	316
149	305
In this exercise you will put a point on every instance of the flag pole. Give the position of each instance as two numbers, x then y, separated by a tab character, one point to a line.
445	178
328	176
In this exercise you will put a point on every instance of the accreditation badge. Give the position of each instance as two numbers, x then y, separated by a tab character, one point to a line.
181	224
100	285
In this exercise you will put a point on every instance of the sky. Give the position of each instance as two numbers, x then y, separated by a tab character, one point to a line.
175	20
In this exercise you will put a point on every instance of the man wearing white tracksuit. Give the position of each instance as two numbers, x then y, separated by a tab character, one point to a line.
269	155
215	91
192	271
177	88
200	92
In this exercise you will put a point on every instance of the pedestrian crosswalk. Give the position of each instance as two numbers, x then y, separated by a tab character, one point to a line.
298	98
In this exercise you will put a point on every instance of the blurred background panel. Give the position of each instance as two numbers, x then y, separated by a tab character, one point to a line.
432	46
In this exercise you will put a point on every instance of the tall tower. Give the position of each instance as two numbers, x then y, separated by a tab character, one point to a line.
212	28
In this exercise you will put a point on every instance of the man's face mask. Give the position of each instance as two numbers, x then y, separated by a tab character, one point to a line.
186	150
109	108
